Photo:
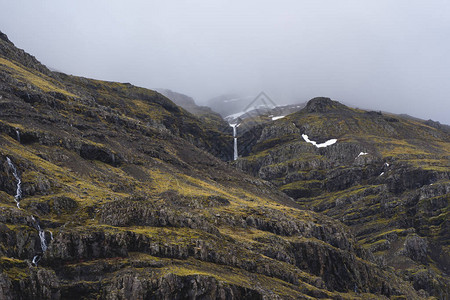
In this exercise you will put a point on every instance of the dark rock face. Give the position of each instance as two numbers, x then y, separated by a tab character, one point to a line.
416	248
94	152
176	287
42	284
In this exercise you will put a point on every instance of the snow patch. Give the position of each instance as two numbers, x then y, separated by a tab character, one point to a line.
323	145
238	99
361	154
277	118
234	116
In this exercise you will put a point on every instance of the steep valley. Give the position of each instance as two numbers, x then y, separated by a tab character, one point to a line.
111	191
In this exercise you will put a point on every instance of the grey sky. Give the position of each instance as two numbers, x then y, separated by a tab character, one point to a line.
387	55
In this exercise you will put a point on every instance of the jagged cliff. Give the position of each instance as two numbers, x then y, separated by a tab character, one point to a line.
384	176
122	196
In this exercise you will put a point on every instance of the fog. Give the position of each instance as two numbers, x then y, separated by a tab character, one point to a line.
384	55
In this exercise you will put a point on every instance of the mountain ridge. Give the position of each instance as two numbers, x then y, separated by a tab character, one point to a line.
123	198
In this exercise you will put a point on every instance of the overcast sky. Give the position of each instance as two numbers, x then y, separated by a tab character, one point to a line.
388	55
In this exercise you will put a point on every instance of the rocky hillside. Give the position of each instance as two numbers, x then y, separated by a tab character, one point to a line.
384	176
110	191
208	117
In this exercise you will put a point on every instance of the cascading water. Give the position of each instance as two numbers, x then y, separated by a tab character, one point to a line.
18	195
43	241
35	260
44	245
235	126
17	198
18	135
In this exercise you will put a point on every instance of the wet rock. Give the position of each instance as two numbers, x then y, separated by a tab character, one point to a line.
416	248
94	152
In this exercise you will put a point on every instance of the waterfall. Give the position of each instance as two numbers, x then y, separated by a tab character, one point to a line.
235	126
35	260
18	195
235	149
18	135
43	240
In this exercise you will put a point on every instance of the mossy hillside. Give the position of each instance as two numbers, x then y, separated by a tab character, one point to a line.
126	105
14	268
116	172
192	268
74	187
400	184
30	77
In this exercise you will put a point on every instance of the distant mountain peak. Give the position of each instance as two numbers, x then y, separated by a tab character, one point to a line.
322	104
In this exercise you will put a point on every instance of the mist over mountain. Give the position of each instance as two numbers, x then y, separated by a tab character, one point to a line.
379	55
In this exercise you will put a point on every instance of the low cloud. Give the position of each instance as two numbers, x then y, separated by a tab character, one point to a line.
383	55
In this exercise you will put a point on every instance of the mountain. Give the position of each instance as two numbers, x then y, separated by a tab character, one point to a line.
204	113
111	191
387	177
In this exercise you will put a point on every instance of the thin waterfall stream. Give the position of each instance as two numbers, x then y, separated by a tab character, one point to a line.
43	240
18	135
235	153
18	195
17	198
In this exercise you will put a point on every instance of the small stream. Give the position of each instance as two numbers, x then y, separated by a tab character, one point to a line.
18	195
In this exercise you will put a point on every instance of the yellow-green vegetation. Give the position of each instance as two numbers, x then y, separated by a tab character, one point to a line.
15	269
28	76
398	186
121	185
